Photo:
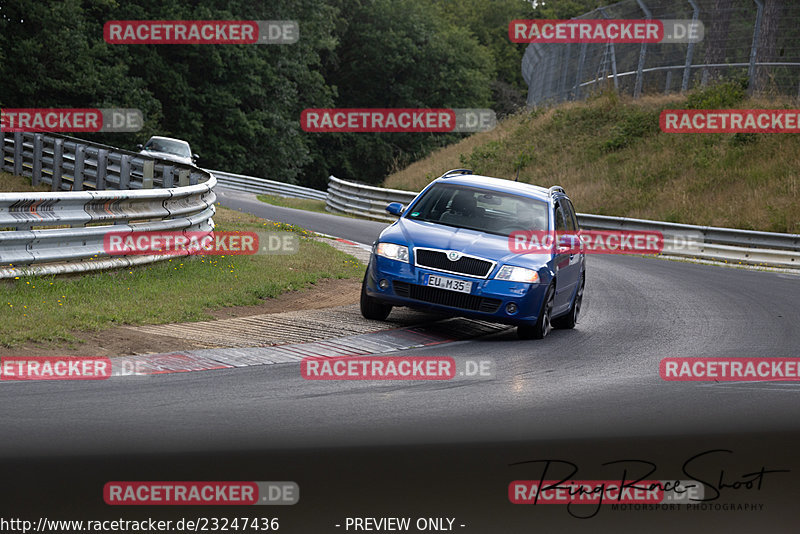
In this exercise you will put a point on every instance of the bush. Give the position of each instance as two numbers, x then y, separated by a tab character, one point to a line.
634	124
720	96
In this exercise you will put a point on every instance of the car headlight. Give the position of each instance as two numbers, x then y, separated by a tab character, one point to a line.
392	251
517	274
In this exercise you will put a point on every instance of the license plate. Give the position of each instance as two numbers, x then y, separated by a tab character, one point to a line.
450	284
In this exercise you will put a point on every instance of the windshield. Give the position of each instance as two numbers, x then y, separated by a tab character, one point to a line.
480	209
176	148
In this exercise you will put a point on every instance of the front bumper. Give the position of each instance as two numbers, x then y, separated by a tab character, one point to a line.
489	299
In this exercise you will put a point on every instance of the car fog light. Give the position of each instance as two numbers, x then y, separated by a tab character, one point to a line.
384	283
511	308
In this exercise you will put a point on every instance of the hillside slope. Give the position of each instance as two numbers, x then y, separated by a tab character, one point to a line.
612	158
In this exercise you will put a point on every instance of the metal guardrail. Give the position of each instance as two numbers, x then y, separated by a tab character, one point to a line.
364	200
251	184
710	242
683	240
96	189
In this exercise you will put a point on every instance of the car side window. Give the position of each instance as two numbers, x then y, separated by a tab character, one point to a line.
561	225
568	216
572	217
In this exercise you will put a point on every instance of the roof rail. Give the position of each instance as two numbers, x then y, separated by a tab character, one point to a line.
456	171
556	189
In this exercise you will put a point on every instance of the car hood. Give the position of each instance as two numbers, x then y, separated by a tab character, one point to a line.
475	243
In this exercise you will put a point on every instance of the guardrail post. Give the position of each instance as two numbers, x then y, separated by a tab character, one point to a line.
38	147
167	176
58	164
183	177
148	167
3	165
124	172
102	169
18	153
80	165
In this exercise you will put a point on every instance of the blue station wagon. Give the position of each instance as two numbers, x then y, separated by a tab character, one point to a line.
449	252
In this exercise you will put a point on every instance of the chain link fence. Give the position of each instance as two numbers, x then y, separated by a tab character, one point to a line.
753	40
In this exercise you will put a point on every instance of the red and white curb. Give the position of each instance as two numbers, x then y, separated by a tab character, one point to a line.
384	341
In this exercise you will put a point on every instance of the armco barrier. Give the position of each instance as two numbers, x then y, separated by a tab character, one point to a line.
364	200
683	240
251	184
96	189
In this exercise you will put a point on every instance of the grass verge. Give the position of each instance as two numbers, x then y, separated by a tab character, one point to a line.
51	309
18	184
307	204
612	158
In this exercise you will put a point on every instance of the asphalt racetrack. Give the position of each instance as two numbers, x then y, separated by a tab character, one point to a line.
450	448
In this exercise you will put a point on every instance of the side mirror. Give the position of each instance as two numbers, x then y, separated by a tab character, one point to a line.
139	147
395	208
195	157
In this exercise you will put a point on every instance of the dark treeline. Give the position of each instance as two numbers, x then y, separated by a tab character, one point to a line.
239	105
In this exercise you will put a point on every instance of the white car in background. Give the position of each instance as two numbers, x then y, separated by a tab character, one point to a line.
168	148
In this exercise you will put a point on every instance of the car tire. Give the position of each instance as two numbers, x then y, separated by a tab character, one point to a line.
372	308
543	323
571	319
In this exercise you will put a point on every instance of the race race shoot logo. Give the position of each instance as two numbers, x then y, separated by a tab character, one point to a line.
605	31
70	120
730	369
588	241
730	121
176	243
200	493
131	32
383	120
55	368
395	368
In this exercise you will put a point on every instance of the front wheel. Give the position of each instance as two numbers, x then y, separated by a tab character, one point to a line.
571	319
372	308
543	325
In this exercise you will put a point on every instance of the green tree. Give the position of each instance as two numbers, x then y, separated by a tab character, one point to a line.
392	54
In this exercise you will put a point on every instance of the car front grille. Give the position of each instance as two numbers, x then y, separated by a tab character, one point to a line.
435	259
444	297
